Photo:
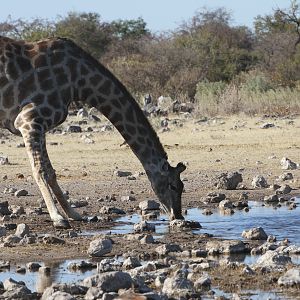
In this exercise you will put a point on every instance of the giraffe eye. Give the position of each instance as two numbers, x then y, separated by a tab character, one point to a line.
172	187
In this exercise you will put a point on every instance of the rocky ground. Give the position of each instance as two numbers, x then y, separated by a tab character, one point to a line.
229	161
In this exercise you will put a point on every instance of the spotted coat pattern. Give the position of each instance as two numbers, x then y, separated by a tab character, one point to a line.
39	80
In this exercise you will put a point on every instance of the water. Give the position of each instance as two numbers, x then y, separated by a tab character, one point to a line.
250	295
280	222
36	281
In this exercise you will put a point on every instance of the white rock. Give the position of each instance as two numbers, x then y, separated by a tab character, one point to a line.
229	181
259	182
271	199
290	278
291	249
184	224
159	280
273	259
167	248
225	204
287	164
284	189
94	293
10	284
109	264
33	266
256	233
147	267
267	125
100	247
177	287
149	205
286	176
22	230
110	281
147	239
143	226
225	247
4	160
131	262
21	193
19	292
58	295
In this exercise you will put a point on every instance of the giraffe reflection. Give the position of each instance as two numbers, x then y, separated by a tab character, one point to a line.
45	277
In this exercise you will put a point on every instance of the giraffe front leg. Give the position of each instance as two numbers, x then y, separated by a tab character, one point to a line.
70	212
34	139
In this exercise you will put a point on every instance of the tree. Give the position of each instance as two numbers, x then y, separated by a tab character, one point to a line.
87	30
134	29
222	50
277	44
27	30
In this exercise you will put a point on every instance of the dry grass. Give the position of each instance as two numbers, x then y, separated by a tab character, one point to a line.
236	141
234	99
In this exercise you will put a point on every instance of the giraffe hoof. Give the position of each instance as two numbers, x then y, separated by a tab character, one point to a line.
64	224
76	217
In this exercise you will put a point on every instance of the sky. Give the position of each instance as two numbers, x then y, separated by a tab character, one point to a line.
160	15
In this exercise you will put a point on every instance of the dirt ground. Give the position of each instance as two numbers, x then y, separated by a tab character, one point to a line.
87	170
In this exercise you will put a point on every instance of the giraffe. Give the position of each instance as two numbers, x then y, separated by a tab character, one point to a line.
39	80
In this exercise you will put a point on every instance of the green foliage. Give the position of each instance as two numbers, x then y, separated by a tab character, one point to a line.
278	38
28	30
87	30
124	29
255	82
221	67
206	88
222	51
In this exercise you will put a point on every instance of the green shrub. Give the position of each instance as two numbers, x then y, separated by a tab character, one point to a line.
207	89
255	82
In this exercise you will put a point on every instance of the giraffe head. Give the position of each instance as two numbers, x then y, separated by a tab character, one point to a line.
168	188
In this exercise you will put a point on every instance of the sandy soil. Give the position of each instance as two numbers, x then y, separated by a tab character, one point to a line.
87	170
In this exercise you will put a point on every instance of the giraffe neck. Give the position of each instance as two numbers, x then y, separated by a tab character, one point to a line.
102	90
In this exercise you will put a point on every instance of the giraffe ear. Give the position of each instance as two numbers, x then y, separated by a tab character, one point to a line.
180	167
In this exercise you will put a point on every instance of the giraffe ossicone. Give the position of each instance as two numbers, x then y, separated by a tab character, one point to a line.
39	80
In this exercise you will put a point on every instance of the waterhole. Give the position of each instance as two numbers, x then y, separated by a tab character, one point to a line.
278	221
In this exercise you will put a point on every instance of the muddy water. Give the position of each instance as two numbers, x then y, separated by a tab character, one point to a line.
252	295
278	221
281	222
36	281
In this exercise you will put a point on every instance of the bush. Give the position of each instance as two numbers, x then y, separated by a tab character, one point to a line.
251	94
208	95
207	89
255	81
